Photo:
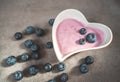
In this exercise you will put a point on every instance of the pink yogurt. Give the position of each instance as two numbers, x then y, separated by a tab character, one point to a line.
68	36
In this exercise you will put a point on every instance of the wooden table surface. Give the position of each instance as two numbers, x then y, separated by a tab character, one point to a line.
16	15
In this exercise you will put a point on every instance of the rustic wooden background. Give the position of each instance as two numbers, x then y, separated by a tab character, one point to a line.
15	15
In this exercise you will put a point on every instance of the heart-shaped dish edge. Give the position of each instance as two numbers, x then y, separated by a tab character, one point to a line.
75	14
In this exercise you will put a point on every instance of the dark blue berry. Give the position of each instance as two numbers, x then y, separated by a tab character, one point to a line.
29	30
18	35
11	60
89	60
91	38
47	67
34	47
82	31
61	67
51	21
33	70
24	57
28	43
81	41
35	56
39	32
64	77
18	75
83	68
52	80
49	45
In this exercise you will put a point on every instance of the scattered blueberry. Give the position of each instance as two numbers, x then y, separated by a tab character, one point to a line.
91	38
39	32
61	67
24	57
35	56
34	47
29	30
33	70
51	21
18	75
18	35
83	68
82	31
52	80
49	45
11	60
89	60
64	77
81	41
28	43
47	67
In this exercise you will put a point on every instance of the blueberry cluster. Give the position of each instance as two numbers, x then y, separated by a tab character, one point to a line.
30	44
26	56
11	60
90	37
62	78
34	47
29	30
84	66
34	69
59	67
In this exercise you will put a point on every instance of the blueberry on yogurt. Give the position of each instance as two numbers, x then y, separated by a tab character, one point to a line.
91	38
82	41
82	31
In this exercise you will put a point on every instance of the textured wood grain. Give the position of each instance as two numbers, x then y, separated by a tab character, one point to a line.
15	15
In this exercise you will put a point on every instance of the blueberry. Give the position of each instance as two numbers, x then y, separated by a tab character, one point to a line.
89	60
91	38
11	60
39	32
81	41
35	56
34	47
82	31
49	45
47	67
64	77
33	70
18	75
83	68
24	57
29	30
18	35
52	80
28	43
61	67
51	21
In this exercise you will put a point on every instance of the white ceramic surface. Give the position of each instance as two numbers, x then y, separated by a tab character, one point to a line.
77	15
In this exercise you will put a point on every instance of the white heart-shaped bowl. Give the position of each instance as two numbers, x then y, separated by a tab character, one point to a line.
77	15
